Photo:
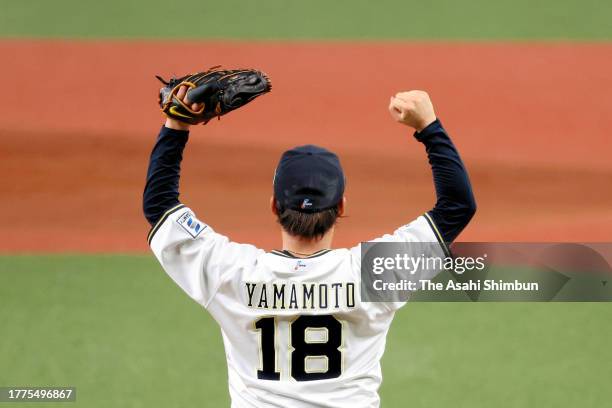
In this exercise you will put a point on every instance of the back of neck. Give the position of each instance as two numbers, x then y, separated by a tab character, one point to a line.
301	247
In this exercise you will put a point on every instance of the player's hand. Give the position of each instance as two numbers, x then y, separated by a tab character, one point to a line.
177	124
412	108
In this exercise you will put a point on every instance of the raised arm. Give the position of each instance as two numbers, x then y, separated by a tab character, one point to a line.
455	205
217	92
161	191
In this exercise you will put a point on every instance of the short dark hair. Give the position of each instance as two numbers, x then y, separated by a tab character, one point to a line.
307	225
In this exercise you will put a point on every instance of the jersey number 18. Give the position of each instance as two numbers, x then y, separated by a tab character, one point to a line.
302	349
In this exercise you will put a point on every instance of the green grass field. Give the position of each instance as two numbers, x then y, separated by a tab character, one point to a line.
312	19
120	331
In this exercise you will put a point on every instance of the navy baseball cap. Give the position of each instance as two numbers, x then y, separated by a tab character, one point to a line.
308	179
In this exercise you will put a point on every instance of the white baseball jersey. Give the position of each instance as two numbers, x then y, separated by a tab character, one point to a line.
295	331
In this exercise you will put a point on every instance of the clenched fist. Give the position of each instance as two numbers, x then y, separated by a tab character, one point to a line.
412	108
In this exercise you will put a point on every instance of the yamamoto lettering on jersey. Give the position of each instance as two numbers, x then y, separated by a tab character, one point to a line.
300	296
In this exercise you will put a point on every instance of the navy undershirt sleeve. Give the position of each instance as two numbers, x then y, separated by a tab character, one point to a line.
161	191
455	205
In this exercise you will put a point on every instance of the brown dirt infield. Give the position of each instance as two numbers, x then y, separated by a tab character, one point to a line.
532	122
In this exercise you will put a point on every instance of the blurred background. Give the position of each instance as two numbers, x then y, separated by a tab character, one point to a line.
524	89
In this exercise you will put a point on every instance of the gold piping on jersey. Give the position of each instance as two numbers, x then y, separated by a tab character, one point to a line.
433	226
161	221
287	254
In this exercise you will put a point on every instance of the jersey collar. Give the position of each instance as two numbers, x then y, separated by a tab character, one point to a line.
288	254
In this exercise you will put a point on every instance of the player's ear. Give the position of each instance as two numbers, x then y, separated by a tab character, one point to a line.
273	206
341	206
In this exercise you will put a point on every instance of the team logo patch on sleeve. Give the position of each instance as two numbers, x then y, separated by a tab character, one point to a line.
191	224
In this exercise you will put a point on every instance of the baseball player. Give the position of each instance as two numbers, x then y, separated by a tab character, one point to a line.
295	331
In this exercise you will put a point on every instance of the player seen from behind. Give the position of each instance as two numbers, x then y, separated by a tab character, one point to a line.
295	331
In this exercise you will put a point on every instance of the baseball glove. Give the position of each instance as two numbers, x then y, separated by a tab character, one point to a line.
220	91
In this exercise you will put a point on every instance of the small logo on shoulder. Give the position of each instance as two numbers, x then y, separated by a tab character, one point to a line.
306	203
191	224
